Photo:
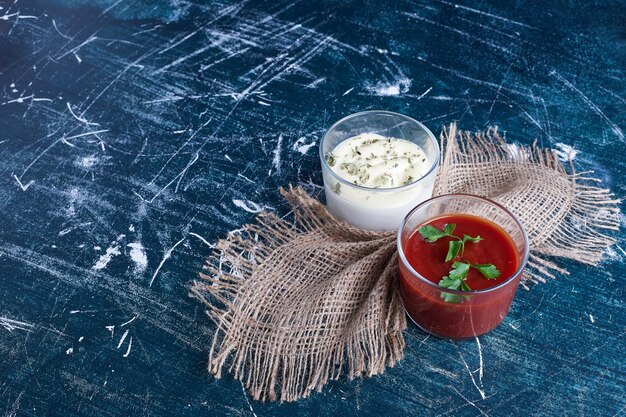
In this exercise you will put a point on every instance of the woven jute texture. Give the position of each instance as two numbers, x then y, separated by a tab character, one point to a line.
297	303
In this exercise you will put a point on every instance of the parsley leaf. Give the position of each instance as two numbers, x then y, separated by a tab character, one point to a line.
448	282
472	239
459	270
465	287
453	284
488	271
454	247
451	298
449	228
431	233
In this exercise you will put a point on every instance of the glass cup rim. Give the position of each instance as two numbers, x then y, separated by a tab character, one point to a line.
342	180
504	283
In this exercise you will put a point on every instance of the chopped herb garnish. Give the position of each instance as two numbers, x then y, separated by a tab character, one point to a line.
365	161
455	279
330	159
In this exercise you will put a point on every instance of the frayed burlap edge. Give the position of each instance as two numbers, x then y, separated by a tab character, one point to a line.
372	339
586	209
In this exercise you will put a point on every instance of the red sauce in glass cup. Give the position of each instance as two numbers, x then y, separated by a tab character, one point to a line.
471	314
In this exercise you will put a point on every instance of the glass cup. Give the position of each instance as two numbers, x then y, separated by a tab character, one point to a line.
472	313
377	208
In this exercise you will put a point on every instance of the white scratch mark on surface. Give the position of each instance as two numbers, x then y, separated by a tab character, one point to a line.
139	257
303	147
424	340
111	329
468	35
23	99
130	345
470	402
17	16
480	390
276	159
119	345
10	325
77	48
104	259
15	406
348	91
243	389
616	129
126	323
111	252
249	206
69	229
80	119
124	71
228	157
480	12
390	89
478	81
421	96
22	186
54	23
566	152
166	256
95	132
67	143
315	83
184	58
202	239
283	64
480	358
239	174
80	339
591	318
87	161
443	372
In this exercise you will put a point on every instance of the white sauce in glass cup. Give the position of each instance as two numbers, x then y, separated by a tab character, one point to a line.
377	166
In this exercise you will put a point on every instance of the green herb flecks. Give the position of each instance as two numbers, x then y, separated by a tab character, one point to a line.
330	159
455	280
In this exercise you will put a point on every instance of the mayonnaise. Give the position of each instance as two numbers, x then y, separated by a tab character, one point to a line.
386	178
375	161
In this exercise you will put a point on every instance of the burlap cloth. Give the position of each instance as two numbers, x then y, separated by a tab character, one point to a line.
297	303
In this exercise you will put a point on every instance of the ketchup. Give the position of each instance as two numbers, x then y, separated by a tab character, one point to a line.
466	315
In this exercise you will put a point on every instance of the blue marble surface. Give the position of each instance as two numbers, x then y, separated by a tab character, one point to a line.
133	134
